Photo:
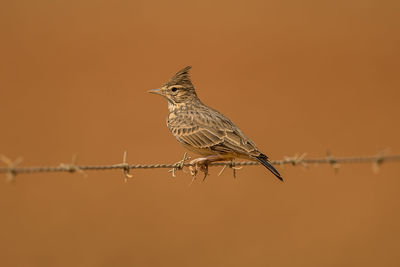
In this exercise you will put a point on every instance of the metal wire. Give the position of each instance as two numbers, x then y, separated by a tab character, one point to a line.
298	160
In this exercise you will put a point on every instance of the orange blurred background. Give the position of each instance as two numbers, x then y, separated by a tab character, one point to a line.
295	76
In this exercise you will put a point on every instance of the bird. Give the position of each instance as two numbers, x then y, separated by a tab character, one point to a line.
203	130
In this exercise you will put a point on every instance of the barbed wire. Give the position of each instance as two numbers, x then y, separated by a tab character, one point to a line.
12	168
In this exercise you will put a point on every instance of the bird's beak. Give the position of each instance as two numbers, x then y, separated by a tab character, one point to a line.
156	91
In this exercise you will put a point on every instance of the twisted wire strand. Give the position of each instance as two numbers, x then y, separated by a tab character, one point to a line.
296	160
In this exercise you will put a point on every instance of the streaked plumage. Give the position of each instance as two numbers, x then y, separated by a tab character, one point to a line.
204	130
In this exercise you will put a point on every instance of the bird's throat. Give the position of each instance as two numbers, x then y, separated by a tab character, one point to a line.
183	105
171	106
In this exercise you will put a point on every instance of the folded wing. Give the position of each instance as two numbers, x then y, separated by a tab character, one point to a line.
216	133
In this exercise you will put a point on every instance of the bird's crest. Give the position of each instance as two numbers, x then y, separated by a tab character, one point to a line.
181	78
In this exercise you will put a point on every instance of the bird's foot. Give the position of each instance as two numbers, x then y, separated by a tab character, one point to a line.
196	165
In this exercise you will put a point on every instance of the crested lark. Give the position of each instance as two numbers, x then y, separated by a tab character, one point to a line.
204	130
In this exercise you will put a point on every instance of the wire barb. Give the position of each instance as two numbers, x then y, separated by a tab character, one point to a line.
333	162
380	157
178	166
72	167
296	160
234	168
231	164
125	167
11	166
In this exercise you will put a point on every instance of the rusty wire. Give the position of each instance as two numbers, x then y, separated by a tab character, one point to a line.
12	168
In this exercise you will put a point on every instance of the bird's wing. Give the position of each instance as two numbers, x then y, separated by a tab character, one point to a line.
199	137
212	131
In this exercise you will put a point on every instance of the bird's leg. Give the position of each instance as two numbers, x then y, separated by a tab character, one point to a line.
202	165
195	165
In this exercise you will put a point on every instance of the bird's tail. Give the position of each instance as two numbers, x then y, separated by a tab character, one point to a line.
263	159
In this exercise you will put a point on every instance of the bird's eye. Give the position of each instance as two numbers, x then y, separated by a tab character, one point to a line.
173	89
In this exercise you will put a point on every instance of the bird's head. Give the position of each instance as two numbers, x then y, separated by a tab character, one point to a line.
179	89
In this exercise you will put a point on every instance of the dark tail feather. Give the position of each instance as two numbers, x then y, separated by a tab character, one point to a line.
264	161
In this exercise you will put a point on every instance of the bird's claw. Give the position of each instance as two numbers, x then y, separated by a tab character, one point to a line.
198	165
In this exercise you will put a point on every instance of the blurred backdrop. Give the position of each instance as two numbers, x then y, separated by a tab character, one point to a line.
295	76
